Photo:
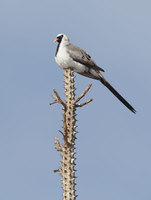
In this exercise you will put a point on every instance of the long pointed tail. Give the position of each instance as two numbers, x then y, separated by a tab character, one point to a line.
102	79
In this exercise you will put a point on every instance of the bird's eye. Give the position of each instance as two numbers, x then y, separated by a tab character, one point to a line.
60	37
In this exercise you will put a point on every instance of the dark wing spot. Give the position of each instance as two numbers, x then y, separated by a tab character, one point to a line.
88	56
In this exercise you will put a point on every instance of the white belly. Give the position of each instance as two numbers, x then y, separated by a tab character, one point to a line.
65	61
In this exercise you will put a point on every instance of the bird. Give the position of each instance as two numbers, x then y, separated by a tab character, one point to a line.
69	56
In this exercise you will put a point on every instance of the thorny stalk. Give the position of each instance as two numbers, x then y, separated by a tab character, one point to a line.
67	168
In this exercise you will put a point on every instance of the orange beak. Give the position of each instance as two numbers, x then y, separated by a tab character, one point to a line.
56	40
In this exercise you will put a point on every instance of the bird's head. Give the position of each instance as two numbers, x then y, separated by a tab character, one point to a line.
61	38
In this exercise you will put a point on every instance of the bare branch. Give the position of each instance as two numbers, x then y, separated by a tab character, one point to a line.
54	97
83	94
57	170
53	102
83	104
57	99
62	133
57	143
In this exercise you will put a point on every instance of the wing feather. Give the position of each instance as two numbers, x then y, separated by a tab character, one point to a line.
82	57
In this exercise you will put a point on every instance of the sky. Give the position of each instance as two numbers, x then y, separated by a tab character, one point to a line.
113	144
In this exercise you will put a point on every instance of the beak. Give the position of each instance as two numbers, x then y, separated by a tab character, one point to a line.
56	40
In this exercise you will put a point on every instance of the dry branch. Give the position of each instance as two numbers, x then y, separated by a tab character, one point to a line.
83	93
84	103
57	99
69	132
57	143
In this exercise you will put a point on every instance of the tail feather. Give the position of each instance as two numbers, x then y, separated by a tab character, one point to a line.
102	79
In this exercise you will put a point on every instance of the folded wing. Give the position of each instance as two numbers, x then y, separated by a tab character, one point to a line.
82	57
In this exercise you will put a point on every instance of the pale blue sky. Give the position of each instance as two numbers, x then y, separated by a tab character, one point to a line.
113	145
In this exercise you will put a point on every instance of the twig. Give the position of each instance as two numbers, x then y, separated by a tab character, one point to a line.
54	97
53	102
84	103
83	94
62	133
57	143
57	170
57	99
